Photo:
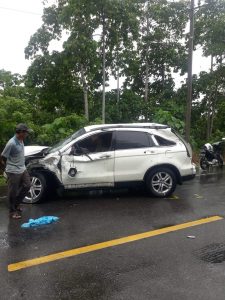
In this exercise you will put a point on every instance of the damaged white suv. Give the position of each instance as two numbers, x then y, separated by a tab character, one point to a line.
108	156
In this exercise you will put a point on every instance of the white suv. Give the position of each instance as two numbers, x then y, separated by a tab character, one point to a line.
108	156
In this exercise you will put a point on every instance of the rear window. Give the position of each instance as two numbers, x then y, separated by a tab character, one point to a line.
164	142
131	140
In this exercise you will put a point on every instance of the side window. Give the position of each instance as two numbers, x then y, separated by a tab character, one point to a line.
100	142
131	140
164	142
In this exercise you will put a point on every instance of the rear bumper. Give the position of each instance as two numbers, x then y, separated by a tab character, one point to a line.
188	177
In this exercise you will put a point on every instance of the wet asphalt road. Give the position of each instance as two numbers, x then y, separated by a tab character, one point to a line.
169	266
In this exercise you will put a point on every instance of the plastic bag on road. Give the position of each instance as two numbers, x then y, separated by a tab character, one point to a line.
40	221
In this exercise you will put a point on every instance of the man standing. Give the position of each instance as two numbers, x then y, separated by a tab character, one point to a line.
18	178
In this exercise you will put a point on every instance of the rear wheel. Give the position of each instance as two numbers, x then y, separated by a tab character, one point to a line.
204	163
161	182
38	190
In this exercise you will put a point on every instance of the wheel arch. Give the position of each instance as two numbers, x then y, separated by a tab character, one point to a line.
50	177
169	166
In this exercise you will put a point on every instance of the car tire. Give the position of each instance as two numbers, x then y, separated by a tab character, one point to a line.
204	164
38	190
161	182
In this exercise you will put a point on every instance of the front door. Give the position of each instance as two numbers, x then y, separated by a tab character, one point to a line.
95	168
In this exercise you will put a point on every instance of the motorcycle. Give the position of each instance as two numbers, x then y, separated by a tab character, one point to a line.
211	155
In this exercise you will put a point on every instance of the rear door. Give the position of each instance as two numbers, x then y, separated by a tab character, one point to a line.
135	152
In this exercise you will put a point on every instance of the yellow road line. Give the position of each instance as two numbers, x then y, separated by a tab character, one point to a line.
107	244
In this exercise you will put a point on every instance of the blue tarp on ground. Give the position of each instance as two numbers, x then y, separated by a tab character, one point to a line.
40	221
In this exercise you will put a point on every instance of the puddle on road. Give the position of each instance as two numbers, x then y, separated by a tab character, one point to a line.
3	240
212	253
3	192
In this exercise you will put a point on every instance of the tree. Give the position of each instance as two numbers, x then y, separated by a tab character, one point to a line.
82	19
12	112
12	85
209	28
57	88
160	50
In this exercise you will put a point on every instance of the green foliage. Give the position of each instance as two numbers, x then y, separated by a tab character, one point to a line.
209	27
166	117
13	111
56	86
12	85
60	128
128	109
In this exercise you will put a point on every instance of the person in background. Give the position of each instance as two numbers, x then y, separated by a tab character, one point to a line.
18	178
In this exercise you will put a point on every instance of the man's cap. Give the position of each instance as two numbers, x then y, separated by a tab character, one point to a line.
23	127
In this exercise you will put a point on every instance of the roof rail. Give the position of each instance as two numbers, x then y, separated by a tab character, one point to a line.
103	127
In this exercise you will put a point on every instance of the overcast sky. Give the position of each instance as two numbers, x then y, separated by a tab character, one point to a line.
19	19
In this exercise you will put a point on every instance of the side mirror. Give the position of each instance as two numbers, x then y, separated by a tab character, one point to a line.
76	150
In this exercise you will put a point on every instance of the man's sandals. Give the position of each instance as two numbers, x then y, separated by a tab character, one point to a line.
15	215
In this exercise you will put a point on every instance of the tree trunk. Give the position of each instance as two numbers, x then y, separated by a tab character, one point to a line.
213	110
146	80
209	118
86	104
118	87
209	104
85	91
163	76
147	64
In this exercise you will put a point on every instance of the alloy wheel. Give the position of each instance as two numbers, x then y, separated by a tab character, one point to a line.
162	183
35	190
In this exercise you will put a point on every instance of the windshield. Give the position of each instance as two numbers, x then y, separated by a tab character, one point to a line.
64	142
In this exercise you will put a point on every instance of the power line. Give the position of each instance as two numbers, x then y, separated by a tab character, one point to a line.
20	11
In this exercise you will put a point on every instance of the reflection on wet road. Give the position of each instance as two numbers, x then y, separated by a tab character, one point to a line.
166	266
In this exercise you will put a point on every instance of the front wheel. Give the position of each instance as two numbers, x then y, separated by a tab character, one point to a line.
161	182
38	189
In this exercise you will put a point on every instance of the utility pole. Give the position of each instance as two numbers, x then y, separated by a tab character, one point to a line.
189	79
103	67
147	60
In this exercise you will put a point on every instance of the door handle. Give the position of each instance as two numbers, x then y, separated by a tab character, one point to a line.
149	151
105	156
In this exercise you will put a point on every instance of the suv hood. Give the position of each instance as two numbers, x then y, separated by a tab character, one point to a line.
33	150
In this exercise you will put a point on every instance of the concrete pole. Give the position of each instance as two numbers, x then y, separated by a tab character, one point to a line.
189	80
